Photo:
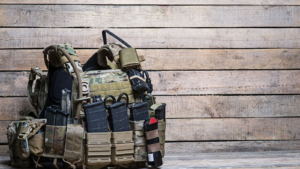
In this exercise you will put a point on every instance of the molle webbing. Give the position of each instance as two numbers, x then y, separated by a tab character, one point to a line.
98	149
122	148
140	153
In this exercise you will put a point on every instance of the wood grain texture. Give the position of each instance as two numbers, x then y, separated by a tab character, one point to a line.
13	108
230	146
244	160
233	129
192	82
225	82
148	16
4	151
3	129
158	2
154	38
230	106
172	59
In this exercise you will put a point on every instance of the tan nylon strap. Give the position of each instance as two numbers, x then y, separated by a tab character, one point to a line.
153	148
55	163
37	162
78	78
111	64
161	126
138	77
152	134
155	106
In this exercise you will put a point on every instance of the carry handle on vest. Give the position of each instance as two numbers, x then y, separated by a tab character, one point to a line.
113	35
70	59
120	97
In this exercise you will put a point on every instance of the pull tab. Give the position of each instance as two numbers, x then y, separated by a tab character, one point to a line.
120	97
97	98
109	96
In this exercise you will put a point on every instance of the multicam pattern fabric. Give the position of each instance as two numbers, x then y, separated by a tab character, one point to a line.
108	82
55	139
140	153
139	138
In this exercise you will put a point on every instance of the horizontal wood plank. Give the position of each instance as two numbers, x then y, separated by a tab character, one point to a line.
4	151
230	146
161	16
154	38
230	106
233	129
238	160
225	82
172	59
13	108
158	2
192	82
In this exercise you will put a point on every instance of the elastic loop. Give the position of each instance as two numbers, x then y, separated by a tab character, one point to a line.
120	97
109	96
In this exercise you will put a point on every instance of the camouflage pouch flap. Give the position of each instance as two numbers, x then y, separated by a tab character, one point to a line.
30	130
73	144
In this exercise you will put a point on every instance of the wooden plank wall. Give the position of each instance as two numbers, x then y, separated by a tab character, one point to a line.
229	70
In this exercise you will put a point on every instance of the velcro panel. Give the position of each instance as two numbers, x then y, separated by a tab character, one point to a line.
152	134
153	148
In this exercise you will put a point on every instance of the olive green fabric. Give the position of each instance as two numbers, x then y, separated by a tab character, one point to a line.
129	59
109	53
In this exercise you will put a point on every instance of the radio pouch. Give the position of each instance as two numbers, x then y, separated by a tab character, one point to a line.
139	111
137	81
118	118
153	145
95	115
73	144
129	59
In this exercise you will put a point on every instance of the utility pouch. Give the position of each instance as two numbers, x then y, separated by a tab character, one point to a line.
140	154
139	111
95	115
122	153
129	59
137	81
36	144
55	139
73	144
118	118
152	139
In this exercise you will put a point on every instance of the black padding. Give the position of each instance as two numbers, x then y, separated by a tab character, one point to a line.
58	80
92	64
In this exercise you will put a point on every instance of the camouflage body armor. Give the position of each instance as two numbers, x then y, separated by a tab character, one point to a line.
73	135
